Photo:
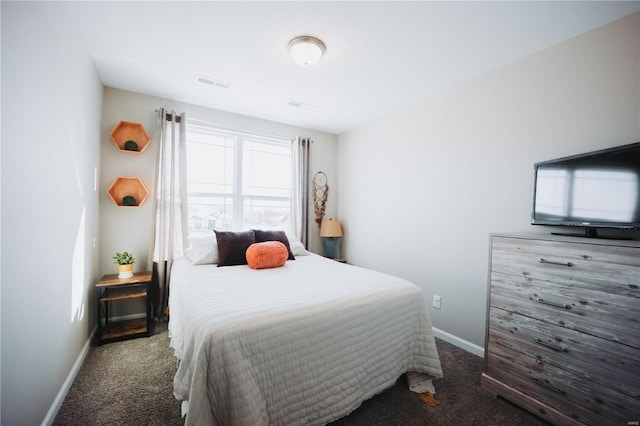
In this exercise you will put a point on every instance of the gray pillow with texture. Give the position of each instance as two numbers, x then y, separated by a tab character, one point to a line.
262	236
232	247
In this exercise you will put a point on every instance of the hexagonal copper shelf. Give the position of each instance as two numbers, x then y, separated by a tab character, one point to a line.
128	186
129	131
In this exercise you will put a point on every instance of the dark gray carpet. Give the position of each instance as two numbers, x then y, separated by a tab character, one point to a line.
131	382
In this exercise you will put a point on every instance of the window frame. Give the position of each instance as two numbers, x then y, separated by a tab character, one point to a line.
237	196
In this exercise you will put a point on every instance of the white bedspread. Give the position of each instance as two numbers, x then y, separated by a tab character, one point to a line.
305	343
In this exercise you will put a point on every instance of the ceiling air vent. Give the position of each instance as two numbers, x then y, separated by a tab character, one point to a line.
298	104
213	82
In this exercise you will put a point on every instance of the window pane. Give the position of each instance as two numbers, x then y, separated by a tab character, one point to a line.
210	163
266	168
207	213
267	214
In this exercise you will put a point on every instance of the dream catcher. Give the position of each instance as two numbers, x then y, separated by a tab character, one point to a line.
320	194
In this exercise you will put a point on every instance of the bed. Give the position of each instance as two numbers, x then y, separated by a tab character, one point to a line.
305	343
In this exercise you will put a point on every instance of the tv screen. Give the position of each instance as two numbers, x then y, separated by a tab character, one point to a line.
599	189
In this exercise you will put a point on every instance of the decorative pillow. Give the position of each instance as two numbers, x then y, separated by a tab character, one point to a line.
232	247
203	250
268	254
262	236
297	248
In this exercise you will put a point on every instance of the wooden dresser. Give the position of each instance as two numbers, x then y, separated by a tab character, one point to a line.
563	327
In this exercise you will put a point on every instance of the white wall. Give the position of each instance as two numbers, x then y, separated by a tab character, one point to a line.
126	229
422	188
51	101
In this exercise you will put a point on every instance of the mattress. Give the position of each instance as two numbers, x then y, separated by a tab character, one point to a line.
305	343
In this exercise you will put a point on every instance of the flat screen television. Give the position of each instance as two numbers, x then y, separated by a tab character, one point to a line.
599	189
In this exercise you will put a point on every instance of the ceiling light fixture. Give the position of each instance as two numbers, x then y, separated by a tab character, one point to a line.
306	50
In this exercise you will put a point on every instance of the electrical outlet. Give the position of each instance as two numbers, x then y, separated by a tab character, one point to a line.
436	301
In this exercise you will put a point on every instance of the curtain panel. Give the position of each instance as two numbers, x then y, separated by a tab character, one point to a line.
169	205
300	156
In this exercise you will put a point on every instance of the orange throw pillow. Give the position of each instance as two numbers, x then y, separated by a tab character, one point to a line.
268	254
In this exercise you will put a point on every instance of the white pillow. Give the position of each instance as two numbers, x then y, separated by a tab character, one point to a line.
203	250
297	248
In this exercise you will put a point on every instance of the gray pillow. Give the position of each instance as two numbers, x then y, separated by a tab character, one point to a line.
262	236
232	247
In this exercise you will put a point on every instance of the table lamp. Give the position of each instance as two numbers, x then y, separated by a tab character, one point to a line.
331	230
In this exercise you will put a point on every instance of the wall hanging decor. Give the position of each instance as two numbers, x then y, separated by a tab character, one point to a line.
130	137
320	195
128	191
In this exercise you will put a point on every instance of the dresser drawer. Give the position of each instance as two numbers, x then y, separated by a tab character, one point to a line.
606	268
577	397
604	362
606	315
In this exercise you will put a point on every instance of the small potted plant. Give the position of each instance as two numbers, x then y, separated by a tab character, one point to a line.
130	145
128	200
125	262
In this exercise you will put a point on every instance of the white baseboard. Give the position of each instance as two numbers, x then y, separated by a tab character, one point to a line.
461	343
57	402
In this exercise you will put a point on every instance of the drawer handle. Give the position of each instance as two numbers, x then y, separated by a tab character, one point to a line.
552	347
555	305
551	262
545	385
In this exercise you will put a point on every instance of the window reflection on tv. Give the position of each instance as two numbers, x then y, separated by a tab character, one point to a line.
583	194
598	189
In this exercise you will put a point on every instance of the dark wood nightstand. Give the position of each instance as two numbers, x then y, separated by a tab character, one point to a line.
110	288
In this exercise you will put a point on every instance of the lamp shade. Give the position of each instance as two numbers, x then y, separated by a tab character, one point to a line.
331	228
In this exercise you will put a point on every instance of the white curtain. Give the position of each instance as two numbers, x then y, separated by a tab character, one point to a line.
170	205
300	199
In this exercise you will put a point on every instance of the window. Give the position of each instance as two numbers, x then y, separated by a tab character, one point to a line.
237	180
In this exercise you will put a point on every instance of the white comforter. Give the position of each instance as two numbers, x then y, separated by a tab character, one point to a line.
305	343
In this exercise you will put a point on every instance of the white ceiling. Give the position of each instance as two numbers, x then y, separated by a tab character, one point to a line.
380	55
